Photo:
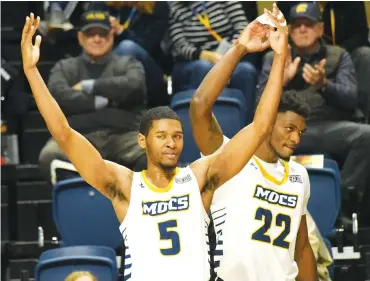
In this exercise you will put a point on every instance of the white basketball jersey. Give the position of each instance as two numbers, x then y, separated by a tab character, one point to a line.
166	231
257	216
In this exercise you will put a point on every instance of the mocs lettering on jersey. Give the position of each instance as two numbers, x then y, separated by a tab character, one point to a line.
175	204
295	178
183	180
273	197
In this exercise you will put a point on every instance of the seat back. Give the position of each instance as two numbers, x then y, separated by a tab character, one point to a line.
83	216
57	264
333	165
324	203
229	110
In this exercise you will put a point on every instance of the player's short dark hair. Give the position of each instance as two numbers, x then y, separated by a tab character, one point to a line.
290	101
156	113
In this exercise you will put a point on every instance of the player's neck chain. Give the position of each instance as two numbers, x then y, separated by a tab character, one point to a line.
267	176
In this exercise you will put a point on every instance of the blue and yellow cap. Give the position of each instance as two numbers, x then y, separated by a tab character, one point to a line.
95	19
306	10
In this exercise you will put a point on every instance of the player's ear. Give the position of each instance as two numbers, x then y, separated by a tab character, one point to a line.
141	141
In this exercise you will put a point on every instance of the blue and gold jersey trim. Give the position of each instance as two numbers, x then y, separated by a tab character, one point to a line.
152	187
267	176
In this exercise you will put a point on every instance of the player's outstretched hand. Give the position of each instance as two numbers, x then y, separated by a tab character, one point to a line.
30	52
278	37
254	38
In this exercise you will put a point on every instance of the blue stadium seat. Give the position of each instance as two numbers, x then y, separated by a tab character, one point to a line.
324	203
57	264
229	109
332	164
83	216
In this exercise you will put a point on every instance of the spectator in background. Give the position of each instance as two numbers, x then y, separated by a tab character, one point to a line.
81	276
102	95
140	27
325	78
345	25
197	29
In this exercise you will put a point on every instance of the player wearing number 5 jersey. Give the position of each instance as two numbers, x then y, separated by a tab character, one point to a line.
162	210
260	214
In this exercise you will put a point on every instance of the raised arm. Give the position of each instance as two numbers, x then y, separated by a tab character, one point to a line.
98	173
207	133
206	130
236	154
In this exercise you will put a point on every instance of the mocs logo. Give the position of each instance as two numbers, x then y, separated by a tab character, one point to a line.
175	204
273	197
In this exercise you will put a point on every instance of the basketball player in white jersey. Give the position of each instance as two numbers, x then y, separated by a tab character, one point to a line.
259	215
162	210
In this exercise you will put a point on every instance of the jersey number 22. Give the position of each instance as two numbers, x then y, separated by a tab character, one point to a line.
266	216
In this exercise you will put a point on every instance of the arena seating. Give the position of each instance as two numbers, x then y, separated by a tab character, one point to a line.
57	264
84	216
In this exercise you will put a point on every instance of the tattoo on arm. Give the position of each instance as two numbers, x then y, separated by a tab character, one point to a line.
114	191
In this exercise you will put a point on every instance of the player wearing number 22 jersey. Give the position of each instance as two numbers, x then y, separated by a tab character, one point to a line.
260	214
257	215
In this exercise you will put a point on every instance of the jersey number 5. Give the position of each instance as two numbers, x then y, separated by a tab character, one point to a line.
167	232
260	234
